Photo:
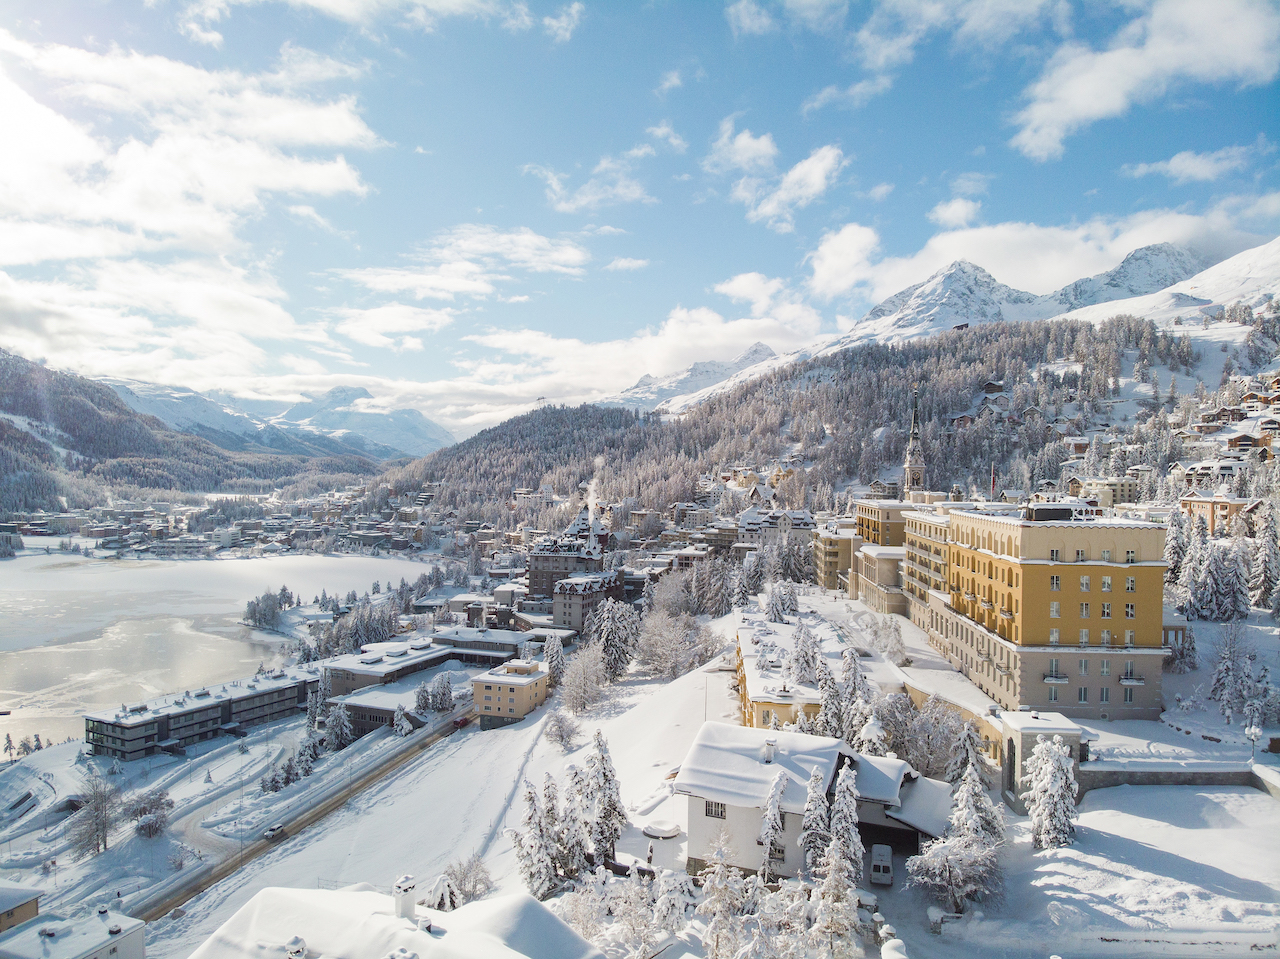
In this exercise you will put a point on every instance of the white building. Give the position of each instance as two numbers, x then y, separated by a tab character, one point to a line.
729	770
359	923
101	935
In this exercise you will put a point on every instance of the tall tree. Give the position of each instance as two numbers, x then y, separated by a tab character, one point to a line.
604	799
844	821
1051	793
815	827
90	828
771	824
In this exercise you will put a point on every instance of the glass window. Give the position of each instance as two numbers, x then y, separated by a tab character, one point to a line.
1084	637
1082	695
1129	611
1055	555
1055	610
1130	555
1084	667
715	810
1084	610
1053	694
1128	695
1106	584
1055	583
1106	610
1105	638
1084	584
1128	669
1053	637
1079	556
1128	637
1104	695
1130	584
1053	667
1106	555
1104	667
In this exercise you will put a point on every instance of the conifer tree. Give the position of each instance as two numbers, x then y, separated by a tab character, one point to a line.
1266	561
804	658
722	895
835	928
771	824
553	656
533	851
830	719
815	827
338	733
618	629
1051	793
872	739
966	755
604	799
775	610
1175	547
574	834
844	821
972	813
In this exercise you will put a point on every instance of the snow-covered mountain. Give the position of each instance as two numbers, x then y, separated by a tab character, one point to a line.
325	425
1159	282
652	391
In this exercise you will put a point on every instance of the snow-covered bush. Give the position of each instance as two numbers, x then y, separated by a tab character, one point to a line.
956	870
470	877
562	729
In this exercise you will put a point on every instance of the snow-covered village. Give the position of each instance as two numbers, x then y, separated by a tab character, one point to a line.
753	480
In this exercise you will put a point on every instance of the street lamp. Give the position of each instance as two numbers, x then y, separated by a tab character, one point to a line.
1253	734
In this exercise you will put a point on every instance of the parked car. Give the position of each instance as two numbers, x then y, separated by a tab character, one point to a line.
881	865
275	832
461	721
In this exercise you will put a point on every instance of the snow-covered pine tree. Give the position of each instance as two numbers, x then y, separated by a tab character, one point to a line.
972	813
815	827
741	592
422	697
789	598
553	826
1175	547
633	911
603	799
573	830
771	824
775	608
338	733
956	870
553	656
533	851
1193	559
830	719
313	709
853	679
441	692
844	821
1051	793
968	754
835	929
618	628
872	740
324	691
1266	560
1231	586
753	573
804	658
721	904
400	722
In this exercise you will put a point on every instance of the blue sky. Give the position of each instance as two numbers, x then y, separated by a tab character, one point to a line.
465	205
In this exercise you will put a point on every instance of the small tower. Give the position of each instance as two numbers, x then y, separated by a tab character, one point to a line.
913	468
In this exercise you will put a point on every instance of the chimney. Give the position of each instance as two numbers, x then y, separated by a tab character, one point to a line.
296	948
406	908
770	746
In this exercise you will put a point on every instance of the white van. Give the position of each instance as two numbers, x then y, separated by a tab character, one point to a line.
881	865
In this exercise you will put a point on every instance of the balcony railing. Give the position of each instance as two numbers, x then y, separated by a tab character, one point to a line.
1006	613
1132	681
1056	678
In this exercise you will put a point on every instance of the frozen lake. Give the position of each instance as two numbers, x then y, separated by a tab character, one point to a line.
79	634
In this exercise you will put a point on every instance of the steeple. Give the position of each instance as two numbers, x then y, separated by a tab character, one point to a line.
913	468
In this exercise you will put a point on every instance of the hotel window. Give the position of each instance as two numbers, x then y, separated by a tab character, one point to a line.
1084	610
1055	556
1055	610
1106	584
1084	667
1084	584
766	716
1053	667
1105	638
1129	611
1079	556
1130	584
1084	637
1082	695
1053	694
488	699
1104	667
1106	610
1128	637
1130	555
1055	583
715	810
1106	555
1128	669
488	687
1104	695
1053	637
1128	695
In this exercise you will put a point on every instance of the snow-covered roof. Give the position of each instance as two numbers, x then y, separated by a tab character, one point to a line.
219	692
727	764
14	894
71	939
359	923
1039	723
925	805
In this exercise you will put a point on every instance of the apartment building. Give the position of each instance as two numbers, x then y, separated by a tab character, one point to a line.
1052	609
576	597
508	693
555	559
834	544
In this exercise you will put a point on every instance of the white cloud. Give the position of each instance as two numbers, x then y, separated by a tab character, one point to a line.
748	18
742	151
1032	257
854	96
388	326
817	15
1174	43
198	17
1189	166
670	81
888	37
970	184
775	203
665	132
610	183
560	28
626	263
471	261
955	213
878	193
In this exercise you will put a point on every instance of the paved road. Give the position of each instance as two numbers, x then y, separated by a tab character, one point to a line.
252	850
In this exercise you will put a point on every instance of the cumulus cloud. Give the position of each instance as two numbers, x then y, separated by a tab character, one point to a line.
610	183
665	132
955	213
746	17
970	184
877	193
1189	166
1172	44
670	81
626	263
775	201
853	96
740	151
560	27
388	326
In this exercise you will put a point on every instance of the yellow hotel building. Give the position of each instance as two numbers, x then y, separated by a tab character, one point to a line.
1047	608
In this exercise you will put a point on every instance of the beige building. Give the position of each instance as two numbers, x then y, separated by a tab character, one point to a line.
1110	490
576	597
1217	509
508	693
18	903
876	578
834	544
1050	609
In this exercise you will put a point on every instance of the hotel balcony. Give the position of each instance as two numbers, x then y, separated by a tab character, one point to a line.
1132	681
1056	679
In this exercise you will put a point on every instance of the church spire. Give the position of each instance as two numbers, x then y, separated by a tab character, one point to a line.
913	468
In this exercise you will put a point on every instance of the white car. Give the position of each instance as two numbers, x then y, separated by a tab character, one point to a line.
274	832
881	865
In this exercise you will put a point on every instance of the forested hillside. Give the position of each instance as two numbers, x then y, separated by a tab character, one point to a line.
845	414
66	437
